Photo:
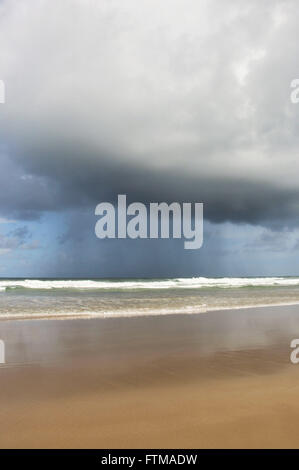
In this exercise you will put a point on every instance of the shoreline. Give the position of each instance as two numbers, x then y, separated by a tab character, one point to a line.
103	316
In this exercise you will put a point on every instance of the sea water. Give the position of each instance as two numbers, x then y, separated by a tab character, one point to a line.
64	298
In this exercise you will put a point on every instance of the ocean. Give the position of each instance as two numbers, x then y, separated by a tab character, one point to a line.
77	298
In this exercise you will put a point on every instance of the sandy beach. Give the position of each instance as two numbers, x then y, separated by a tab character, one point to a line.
218	380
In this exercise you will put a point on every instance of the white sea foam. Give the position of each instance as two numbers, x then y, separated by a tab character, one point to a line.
102	314
187	310
178	283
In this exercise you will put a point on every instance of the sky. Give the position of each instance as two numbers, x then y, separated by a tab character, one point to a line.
180	100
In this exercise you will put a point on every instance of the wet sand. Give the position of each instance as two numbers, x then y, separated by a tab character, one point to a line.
222	379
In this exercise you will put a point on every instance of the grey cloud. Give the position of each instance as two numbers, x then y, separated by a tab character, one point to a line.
185	101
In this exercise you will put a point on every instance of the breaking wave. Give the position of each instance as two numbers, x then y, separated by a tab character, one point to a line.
136	284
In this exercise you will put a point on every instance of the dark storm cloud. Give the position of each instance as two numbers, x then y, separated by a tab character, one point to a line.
237	200
185	101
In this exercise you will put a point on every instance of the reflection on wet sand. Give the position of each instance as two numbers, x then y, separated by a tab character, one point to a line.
209	380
